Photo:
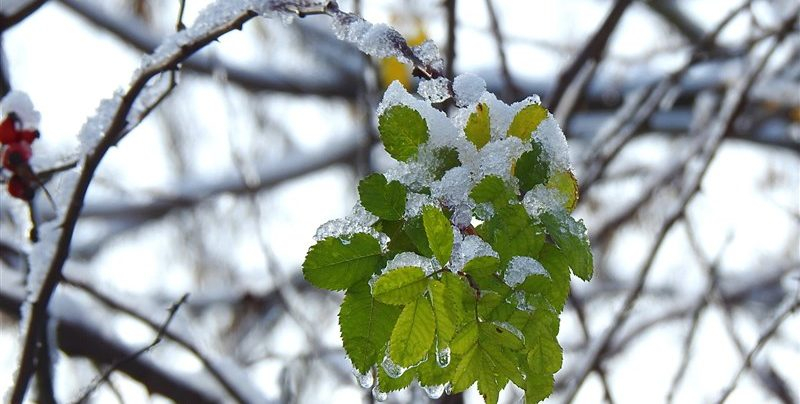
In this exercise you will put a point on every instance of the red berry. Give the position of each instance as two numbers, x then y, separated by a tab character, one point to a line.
8	130
20	189
28	136
16	155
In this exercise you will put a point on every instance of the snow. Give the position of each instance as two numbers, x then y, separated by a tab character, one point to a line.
468	89
496	158
519	268
409	259
415	202
552	139
41	255
454	187
95	127
434	90
20	104
468	249
541	199
358	221
429	54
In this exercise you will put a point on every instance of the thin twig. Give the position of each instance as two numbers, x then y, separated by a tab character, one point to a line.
159	336
8	21
510	90
733	105
762	340
217	373
593	49
450	51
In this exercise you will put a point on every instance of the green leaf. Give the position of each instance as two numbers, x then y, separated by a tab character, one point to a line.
400	286
467	370
571	238
390	384
332	264
413	333
398	239
445	310
492	189
532	168
366	325
511	232
465	338
499	336
566	184
538	387
415	230
482	266
544	354
431	374
556	265
439	232
477	129
402	131
446	158
385	200
526	121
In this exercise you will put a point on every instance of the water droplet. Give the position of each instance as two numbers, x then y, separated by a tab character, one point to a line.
365	380
379	395
448	389
443	357
434	392
392	369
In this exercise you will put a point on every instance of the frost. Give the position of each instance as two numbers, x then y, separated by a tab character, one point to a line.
541	199
435	90
519	268
469	248
554	143
20	104
468	89
454	186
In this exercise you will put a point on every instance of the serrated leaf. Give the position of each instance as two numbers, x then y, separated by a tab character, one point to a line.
494	190
544	354
511	232
504	363
400	286
488	386
332	264
444	310
465	338
415	230
532	168
571	238
439	232
382	199
402	131
365	326
398	239
390	384
445	159
467	370
566	184
538	387
477	129
556	265
526	121
413	333
482	266
499	336
431	374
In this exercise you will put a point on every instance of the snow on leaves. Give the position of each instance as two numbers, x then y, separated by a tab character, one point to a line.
481	245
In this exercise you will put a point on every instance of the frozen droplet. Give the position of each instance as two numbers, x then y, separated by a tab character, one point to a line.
366	379
443	357
379	395
392	369
448	389
434	392
519	268
434	90
484	211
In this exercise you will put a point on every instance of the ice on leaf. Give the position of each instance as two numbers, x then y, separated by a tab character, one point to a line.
519	268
